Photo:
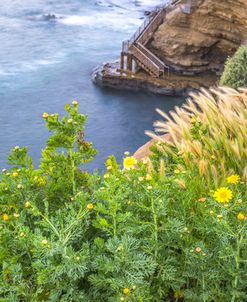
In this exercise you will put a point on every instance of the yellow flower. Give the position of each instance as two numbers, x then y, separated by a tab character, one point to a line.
220	216
148	177
45	115
27	204
75	103
233	179
45	242
149	187
90	206
240	216
126	291
106	176
129	162
15	174
198	249
5	217
223	195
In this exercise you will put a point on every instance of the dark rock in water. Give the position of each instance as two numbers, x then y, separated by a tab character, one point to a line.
45	17
147	13
49	17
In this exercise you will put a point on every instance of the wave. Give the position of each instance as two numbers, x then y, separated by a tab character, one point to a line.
131	4
108	20
28	66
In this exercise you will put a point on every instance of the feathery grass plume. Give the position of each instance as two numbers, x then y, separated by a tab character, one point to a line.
162	168
210	123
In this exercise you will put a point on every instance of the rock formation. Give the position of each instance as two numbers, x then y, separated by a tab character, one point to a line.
197	36
194	40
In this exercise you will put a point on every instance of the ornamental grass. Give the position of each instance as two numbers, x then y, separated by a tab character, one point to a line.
208	133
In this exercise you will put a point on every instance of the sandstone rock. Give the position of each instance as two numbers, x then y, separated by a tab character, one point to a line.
202	39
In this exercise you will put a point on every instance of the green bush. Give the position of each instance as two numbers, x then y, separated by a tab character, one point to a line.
142	233
235	72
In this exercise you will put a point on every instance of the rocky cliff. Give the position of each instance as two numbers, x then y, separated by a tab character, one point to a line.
194	41
198	35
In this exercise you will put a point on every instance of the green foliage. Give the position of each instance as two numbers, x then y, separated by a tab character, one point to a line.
235	72
148	232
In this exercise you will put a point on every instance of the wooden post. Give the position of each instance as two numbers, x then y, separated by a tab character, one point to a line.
129	62
122	61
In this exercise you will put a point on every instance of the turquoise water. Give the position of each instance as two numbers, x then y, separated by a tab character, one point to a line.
45	64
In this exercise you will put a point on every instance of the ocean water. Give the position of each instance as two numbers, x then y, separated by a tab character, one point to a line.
46	64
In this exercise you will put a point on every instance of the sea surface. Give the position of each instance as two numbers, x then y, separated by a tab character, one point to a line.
46	64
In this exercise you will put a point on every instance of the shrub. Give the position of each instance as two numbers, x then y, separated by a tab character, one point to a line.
137	234
235	71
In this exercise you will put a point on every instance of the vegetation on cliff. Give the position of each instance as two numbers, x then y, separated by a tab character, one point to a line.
169	228
235	72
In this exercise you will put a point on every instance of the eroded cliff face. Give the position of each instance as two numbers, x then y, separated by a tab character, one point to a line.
198	35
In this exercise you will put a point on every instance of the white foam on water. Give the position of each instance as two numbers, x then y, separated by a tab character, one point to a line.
27	66
109	20
119	14
132	5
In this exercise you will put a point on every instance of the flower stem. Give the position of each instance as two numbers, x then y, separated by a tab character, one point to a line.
237	263
72	170
155	228
114	217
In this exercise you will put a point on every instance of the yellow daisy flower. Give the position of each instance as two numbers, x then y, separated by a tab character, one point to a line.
233	179
240	216
129	162
15	174
223	195
90	206
27	204
5	217
45	115
126	291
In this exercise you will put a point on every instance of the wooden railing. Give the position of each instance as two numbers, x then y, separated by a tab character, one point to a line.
144	32
152	26
152	56
135	47
148	64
